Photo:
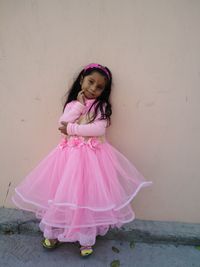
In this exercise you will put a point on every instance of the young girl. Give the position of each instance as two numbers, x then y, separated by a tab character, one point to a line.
84	185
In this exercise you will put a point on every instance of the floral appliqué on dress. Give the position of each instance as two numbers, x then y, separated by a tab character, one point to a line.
78	141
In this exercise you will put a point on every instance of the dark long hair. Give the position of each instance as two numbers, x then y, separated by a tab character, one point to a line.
102	102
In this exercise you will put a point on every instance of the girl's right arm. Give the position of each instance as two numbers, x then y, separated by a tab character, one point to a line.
72	111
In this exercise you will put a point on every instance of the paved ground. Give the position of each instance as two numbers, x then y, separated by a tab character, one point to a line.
18	221
25	250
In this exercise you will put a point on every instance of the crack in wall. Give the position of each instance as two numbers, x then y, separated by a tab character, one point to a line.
6	194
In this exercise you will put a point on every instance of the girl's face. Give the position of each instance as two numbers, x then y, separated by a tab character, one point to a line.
93	85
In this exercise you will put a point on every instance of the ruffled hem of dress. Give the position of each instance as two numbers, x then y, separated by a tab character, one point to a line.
85	236
117	222
74	206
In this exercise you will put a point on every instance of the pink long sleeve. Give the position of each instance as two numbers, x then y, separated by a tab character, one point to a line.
96	128
72	111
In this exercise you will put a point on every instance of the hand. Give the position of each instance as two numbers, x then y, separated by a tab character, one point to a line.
63	128
81	97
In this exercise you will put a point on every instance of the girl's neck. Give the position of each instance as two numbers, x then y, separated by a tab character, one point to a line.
90	99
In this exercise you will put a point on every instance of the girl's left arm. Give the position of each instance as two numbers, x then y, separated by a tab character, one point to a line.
96	128
72	111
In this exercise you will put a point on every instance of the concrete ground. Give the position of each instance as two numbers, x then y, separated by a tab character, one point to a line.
137	244
19	250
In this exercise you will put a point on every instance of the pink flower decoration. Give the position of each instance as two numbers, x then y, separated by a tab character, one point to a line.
93	142
76	141
63	143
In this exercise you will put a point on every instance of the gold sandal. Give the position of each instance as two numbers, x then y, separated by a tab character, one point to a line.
50	243
86	251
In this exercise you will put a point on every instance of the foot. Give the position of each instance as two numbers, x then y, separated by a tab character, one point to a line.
86	251
50	243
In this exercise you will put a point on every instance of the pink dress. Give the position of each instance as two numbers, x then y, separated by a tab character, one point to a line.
84	185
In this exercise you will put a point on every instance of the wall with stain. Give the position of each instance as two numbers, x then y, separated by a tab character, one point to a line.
152	48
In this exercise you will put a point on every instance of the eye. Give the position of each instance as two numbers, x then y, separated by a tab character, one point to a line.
90	81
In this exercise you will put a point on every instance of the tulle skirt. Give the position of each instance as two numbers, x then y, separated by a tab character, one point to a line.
80	190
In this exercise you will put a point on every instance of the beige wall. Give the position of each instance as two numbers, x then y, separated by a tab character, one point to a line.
152	48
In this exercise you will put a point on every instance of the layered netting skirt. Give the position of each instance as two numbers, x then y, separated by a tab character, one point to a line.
80	189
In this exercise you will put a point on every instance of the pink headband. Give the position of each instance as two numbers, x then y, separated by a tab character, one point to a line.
98	66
